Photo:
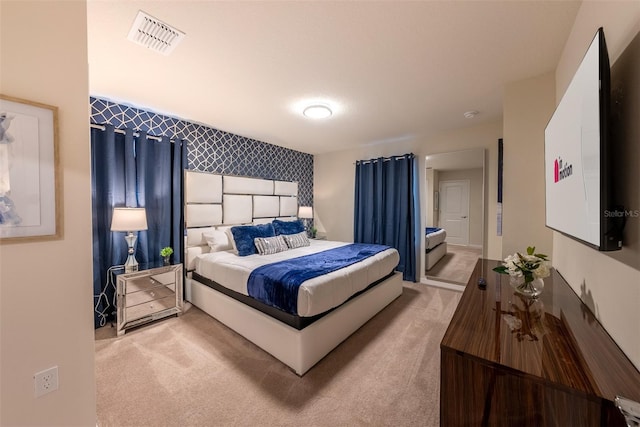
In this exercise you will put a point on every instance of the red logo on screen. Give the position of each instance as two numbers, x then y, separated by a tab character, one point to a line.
561	170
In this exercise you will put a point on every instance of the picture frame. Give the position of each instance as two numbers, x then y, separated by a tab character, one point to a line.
30	183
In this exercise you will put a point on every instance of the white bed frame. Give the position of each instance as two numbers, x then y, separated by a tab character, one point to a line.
298	349
435	254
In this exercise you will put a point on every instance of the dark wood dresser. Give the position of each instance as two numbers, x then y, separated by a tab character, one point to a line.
508	361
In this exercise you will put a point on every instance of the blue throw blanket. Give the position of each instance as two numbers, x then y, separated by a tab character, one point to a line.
277	284
432	229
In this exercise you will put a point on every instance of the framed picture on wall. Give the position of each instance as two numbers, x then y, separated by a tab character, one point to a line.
30	207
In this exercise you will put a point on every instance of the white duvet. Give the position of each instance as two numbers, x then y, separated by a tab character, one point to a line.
316	295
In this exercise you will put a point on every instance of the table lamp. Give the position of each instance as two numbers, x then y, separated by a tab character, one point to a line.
305	212
129	220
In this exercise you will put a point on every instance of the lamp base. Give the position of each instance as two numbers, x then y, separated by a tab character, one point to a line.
131	265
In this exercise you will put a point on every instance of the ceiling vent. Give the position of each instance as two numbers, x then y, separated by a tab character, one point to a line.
154	34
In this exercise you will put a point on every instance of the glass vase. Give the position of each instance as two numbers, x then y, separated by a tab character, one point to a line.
527	289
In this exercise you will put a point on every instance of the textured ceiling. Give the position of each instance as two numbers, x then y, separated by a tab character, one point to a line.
390	70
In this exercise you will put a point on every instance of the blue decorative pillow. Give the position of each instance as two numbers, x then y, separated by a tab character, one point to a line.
287	227
244	236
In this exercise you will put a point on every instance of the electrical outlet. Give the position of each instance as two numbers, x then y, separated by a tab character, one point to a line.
46	381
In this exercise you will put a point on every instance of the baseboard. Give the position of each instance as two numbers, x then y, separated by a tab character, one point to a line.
470	246
444	285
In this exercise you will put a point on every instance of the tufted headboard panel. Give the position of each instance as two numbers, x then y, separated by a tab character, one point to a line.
216	202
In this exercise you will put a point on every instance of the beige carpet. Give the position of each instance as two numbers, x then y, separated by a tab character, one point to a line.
193	371
457	264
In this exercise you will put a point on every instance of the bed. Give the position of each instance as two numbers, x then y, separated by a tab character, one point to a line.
328	308
435	244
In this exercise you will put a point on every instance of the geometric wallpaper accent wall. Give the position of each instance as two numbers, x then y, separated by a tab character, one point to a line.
213	150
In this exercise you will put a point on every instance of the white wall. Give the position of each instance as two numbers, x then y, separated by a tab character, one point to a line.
528	106
46	293
334	179
610	287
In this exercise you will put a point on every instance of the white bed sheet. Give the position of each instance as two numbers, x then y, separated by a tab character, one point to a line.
434	239
316	295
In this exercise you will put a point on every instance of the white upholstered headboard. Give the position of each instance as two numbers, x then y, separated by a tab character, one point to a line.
216	202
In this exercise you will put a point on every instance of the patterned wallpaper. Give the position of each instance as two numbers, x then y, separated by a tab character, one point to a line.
213	150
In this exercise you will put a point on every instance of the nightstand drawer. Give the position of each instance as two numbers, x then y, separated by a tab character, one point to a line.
157	292
166	278
149	308
148	282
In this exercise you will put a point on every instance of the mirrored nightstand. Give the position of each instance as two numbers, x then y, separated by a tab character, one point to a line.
148	295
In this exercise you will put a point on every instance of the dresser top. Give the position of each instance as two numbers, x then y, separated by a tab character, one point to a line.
554	338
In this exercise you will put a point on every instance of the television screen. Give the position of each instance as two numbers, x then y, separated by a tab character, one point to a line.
576	144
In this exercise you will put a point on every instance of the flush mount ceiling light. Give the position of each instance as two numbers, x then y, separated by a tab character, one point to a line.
470	114
317	111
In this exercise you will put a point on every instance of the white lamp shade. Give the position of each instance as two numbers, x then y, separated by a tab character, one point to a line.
129	219
305	212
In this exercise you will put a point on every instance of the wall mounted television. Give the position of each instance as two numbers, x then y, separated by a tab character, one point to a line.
578	173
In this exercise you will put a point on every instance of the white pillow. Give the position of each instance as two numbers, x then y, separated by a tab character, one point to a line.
217	240
229	234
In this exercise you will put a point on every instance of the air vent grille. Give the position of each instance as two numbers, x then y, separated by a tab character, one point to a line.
154	34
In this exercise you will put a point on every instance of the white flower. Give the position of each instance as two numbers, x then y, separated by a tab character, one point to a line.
511	263
518	264
542	271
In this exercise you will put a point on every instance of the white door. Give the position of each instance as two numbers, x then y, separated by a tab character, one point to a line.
454	211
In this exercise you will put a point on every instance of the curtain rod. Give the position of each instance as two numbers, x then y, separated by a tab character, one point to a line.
384	159
102	127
